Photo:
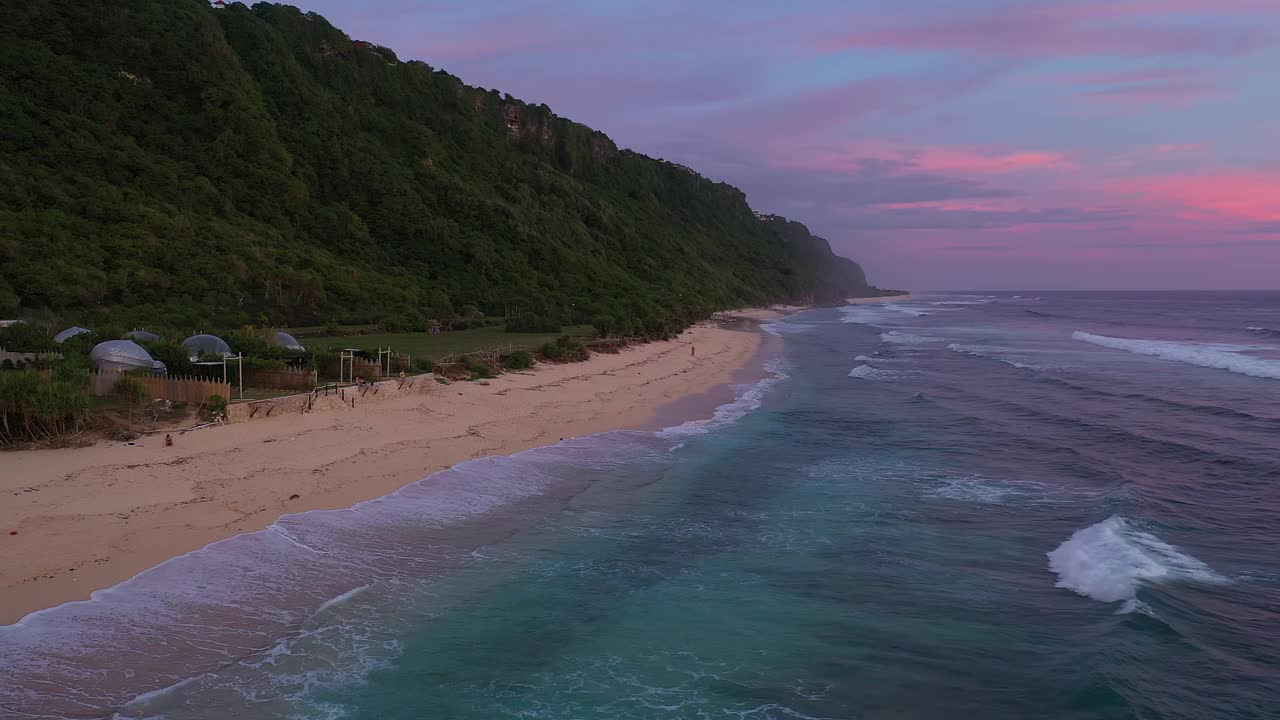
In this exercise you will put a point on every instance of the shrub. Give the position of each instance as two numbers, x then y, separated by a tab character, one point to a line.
215	406
259	363
478	369
31	408
72	369
26	337
131	391
564	349
532	323
331	328
424	364
518	360
605	325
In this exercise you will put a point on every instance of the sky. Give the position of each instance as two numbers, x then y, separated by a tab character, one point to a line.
944	144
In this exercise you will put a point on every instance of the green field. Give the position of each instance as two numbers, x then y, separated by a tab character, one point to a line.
421	344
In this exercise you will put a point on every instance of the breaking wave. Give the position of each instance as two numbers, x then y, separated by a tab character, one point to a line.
1109	561
1222	357
748	399
866	372
902	338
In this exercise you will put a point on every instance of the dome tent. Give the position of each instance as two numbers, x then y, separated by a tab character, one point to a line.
286	341
142	336
121	356
69	333
199	345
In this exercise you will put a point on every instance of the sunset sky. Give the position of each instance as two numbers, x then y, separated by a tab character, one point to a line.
959	144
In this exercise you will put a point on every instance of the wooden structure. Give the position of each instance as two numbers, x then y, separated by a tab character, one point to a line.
283	379
174	389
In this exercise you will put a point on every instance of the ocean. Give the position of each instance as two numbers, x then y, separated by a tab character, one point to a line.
963	505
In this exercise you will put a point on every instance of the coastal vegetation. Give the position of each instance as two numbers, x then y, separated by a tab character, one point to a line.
167	164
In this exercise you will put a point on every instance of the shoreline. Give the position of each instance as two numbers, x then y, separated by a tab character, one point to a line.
878	299
89	518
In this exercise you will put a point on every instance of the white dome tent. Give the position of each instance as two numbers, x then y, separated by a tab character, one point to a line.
142	336
69	333
286	341
122	356
199	345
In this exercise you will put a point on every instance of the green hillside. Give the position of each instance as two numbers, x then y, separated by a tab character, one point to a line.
162	162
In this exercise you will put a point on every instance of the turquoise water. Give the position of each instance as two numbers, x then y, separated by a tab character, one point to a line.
951	507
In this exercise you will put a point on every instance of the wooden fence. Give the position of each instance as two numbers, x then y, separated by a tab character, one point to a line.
359	368
283	379
174	389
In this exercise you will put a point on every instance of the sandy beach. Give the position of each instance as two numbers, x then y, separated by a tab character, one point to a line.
878	299
83	519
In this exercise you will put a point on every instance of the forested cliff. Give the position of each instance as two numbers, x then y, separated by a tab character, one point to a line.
162	161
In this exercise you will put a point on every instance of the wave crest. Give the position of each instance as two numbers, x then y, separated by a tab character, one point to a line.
1110	560
901	338
866	372
1222	357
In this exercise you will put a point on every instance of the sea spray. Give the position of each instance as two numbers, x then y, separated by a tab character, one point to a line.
1109	561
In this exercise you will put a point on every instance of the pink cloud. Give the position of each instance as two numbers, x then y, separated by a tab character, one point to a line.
970	161
940	159
1251	196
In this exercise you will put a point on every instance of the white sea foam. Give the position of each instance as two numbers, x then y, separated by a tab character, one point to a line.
780	328
866	372
1210	355
987	352
992	491
960	302
873	315
748	399
1109	561
901	338
906	310
339	599
972	489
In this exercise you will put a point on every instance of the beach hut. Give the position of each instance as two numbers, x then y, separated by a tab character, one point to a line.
198	345
69	333
286	341
122	356
142	336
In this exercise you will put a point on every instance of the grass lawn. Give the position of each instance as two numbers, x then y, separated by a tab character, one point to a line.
421	344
